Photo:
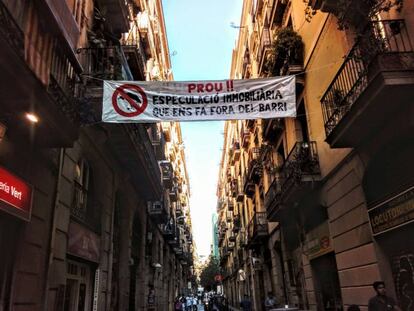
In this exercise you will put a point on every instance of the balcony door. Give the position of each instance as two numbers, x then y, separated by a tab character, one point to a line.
301	124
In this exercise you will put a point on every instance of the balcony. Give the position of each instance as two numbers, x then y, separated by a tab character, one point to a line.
166	174
221	236
236	223
220	205
278	8
245	136
132	146
230	245
116	13
100	63
241	240
375	82
272	130
230	205
178	209
173	194
157	211
273	195
239	191
264	48
46	85
229	216
299	176
60	21
236	152
257	229
135	53
84	209
250	124
103	63
323	5
254	171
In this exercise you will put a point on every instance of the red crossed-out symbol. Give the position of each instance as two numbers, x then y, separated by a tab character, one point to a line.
133	100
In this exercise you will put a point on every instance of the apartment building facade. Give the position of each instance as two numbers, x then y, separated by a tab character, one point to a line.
334	184
88	214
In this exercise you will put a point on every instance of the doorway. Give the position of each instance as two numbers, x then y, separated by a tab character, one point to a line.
8	241
78	293
327	289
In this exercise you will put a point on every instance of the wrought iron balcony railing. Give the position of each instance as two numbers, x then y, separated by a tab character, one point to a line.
245	136
257	227
264	48
272	129
84	209
353	77
107	63
236	223
301	162
273	194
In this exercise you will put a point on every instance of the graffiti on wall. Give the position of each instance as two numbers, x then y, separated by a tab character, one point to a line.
403	272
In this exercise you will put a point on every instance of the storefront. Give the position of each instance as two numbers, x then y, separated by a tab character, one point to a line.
392	223
82	273
15	209
389	190
324	269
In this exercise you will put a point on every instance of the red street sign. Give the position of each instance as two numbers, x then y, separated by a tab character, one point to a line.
15	195
218	278
133	107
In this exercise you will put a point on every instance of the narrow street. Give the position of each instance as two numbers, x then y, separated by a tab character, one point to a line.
251	155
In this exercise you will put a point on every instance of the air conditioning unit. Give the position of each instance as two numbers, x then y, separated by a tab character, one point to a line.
143	22
155	207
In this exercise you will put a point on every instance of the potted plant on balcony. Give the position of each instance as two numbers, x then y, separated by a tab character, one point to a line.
355	14
286	51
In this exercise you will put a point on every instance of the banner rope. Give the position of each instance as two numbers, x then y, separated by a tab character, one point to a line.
296	74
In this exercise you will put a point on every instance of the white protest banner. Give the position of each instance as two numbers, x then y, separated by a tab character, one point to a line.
153	101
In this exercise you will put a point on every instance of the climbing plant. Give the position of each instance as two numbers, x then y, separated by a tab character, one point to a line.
286	50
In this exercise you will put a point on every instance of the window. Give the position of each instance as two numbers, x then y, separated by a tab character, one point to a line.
78	10
81	191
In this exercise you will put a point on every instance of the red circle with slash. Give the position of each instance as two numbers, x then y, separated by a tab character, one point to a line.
121	91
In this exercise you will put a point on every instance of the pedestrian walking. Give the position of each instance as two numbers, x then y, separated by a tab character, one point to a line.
246	304
178	305
195	303
189	303
270	301
381	302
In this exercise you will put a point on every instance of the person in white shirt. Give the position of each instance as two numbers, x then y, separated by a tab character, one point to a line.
189	303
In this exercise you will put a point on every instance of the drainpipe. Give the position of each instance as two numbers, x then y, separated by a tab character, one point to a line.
111	245
53	219
285	293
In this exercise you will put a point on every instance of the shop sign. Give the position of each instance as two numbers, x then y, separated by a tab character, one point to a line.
157	101
319	242
392	213
83	242
15	195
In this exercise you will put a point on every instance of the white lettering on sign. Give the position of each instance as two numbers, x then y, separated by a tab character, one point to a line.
4	187
15	193
11	190
148	101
